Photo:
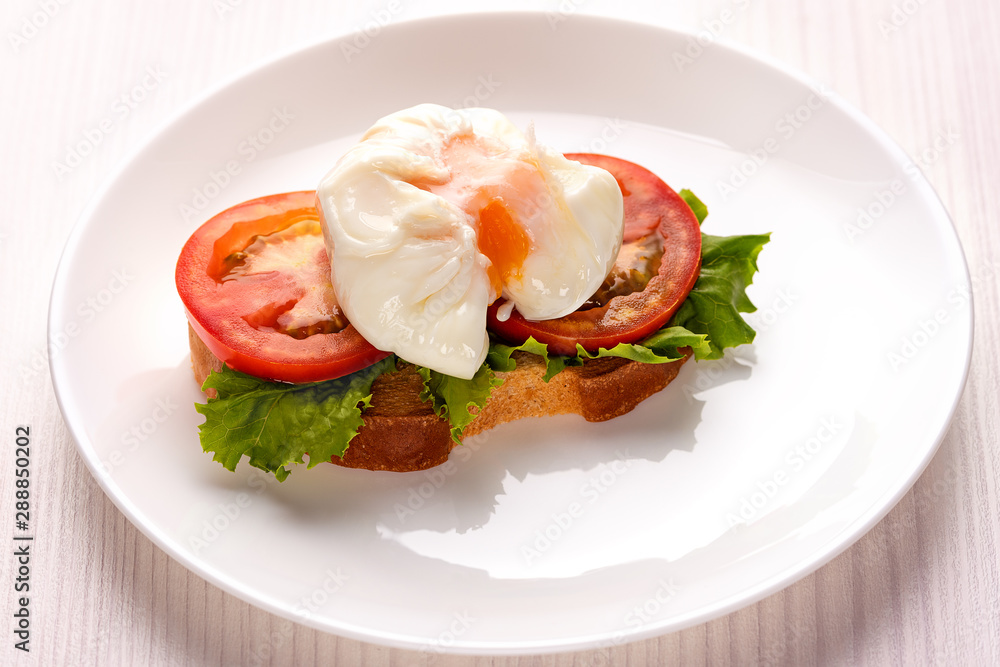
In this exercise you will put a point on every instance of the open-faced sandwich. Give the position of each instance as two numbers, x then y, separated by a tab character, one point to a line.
448	275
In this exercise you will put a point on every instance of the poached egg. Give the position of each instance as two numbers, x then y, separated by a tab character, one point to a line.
438	212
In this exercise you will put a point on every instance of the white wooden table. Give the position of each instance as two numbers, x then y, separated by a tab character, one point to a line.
923	587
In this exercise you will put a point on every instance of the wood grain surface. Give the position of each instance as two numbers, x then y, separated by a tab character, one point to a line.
921	588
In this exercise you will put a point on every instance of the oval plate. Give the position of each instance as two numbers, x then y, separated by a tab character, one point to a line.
742	476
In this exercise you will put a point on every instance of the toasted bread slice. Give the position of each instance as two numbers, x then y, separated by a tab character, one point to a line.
402	433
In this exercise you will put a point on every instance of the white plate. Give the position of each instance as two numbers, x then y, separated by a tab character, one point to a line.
743	476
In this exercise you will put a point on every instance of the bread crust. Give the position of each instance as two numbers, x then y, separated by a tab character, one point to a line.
402	433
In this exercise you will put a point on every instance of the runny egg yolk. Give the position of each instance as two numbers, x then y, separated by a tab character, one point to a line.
504	242
495	190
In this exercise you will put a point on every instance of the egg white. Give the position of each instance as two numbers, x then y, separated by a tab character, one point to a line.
399	217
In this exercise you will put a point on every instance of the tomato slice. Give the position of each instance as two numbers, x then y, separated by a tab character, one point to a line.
255	281
658	265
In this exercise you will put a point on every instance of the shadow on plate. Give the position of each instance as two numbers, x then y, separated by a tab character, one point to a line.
469	485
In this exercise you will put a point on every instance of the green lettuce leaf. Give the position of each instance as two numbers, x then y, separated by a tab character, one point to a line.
275	423
499	358
697	206
713	307
660	348
631	351
453	397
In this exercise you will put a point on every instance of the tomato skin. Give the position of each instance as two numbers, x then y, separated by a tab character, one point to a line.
217	309
651	206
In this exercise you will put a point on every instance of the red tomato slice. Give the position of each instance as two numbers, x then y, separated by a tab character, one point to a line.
255	281
630	308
